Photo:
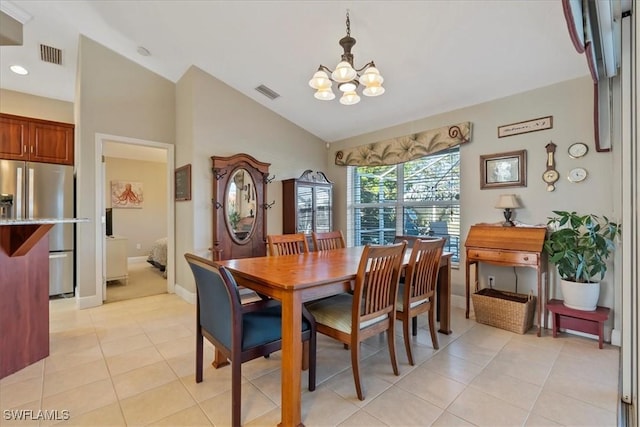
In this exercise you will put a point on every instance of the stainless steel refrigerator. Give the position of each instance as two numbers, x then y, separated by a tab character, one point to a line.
44	190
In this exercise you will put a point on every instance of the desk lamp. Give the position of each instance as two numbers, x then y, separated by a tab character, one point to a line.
507	202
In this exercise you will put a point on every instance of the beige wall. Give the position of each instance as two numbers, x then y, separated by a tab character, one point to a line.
140	226
22	104
570	104
118	97
216	120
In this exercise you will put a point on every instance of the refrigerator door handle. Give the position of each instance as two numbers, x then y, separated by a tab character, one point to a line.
19	193
30	201
54	255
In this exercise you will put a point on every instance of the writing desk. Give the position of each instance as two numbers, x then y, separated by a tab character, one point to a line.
508	246
295	279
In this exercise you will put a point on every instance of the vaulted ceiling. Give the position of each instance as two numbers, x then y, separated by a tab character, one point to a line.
435	56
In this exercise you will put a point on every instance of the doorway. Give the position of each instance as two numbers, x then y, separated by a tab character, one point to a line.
135	161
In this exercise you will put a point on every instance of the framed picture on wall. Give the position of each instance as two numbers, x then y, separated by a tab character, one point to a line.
503	169
183	183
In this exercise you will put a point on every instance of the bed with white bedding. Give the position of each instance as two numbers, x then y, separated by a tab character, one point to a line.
158	255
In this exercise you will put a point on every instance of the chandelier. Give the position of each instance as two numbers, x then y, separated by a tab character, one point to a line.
346	76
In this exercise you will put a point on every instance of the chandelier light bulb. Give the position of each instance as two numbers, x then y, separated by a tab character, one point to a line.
348	86
349	98
371	77
344	73
373	90
324	94
320	80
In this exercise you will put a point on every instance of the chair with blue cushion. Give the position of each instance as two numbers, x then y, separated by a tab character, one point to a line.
370	310
239	332
417	294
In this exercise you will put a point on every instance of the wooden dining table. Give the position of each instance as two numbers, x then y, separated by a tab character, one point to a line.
295	279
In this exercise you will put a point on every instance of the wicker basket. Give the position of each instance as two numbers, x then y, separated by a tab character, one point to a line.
505	310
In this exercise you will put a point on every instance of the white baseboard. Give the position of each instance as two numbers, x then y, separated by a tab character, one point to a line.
88	302
186	295
137	258
616	337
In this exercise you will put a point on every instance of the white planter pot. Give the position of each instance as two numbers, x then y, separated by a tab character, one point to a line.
580	296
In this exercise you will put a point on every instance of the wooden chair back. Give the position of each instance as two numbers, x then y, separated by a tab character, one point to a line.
418	290
376	284
422	270
287	244
411	239
370	310
328	241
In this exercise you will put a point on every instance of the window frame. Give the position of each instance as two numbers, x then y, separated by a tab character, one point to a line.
399	205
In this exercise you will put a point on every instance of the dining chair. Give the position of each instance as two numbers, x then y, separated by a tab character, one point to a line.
287	244
416	295
239	332
411	239
327	241
370	310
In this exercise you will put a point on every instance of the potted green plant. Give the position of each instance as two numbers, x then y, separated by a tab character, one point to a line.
579	245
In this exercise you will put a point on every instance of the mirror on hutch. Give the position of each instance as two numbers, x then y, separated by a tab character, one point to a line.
239	209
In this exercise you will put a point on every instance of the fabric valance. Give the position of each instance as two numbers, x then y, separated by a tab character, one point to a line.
405	148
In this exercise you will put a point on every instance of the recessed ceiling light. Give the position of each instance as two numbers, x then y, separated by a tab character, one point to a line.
19	69
143	51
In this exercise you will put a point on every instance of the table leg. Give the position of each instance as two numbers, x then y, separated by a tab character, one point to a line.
444	297
291	359
467	287
600	334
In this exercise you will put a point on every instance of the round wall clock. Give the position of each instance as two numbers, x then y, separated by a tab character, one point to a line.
577	150
577	174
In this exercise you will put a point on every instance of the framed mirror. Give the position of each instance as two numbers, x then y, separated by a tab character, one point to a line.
240	206
239	189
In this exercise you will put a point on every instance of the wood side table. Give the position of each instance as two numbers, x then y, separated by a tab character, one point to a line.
590	322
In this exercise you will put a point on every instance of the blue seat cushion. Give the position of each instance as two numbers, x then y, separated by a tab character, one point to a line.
264	326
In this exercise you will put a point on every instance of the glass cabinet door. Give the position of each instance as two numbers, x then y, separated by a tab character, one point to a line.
305	209
323	209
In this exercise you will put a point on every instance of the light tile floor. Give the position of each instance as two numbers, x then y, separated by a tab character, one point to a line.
132	363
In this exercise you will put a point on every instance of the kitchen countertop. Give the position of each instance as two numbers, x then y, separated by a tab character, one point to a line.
30	221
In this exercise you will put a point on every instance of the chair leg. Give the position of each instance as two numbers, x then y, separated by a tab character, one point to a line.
355	366
199	358
236	393
407	339
312	361
392	346
432	328
305	355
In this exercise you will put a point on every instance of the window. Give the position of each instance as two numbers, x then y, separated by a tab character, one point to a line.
419	197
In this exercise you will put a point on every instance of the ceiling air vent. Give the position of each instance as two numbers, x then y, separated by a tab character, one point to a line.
267	92
50	54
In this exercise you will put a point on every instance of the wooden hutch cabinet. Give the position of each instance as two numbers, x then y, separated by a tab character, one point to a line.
239	207
35	140
307	204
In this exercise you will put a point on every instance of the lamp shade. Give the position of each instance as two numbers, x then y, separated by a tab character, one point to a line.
320	80
344	73
507	201
349	98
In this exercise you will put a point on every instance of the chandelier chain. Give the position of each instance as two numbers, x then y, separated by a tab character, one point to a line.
348	25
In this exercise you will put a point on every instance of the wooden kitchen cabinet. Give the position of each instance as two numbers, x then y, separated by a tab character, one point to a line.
35	140
307	204
509	247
